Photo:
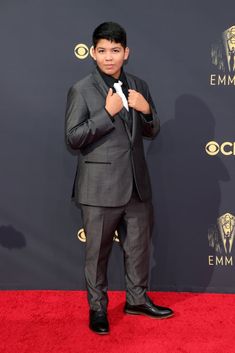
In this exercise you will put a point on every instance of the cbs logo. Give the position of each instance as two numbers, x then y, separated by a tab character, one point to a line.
226	148
81	235
81	51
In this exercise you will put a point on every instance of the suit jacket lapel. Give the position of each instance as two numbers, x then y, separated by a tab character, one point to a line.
132	85
99	83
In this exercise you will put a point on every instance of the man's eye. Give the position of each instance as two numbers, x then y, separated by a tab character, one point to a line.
100	51
116	50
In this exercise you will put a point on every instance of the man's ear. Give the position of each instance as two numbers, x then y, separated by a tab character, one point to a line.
93	53
126	54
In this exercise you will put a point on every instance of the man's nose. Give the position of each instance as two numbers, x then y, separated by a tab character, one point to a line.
108	57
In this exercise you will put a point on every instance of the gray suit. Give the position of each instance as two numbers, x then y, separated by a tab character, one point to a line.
110	161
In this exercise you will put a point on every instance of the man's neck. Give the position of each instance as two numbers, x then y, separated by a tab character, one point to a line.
116	77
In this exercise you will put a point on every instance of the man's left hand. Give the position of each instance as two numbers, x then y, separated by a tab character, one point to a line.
138	102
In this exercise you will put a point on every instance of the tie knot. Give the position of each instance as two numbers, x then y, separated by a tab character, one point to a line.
118	86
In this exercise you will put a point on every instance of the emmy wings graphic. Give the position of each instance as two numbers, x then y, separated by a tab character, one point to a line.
223	52
221	236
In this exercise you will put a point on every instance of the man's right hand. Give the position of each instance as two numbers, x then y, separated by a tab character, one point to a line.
113	103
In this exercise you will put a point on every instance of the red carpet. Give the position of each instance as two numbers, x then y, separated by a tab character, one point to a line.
57	321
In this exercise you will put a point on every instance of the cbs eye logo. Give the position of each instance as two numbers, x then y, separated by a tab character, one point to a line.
212	148
81	51
81	235
226	148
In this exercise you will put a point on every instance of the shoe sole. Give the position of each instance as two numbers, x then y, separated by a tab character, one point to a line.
99	333
152	317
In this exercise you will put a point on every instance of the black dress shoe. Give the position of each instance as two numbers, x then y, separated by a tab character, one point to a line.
149	309
99	322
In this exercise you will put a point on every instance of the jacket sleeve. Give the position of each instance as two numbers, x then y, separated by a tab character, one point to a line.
150	123
82	128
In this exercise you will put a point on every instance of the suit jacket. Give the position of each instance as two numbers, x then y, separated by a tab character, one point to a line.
110	158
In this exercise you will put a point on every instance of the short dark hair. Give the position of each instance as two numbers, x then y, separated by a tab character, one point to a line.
111	31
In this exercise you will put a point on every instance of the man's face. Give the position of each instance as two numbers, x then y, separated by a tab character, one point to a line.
110	56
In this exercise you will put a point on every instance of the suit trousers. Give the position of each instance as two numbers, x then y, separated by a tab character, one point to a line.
100	223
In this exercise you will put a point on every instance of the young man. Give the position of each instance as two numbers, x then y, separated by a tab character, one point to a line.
108	114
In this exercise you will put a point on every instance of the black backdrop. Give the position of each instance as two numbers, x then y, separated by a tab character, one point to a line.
175	47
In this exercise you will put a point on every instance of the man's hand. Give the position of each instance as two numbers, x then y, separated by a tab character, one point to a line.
138	102
113	103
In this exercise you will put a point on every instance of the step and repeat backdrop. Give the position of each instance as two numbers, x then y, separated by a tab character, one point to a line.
185	50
